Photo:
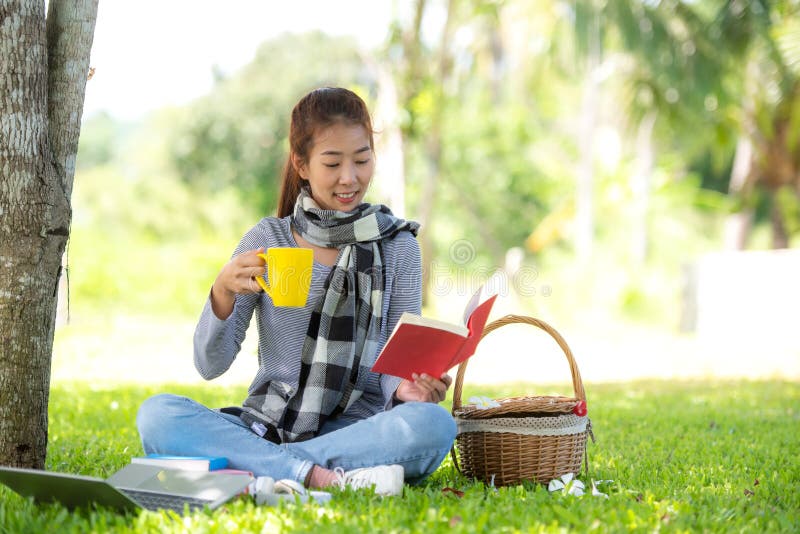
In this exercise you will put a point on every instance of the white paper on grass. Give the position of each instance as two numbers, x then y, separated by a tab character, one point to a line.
572	486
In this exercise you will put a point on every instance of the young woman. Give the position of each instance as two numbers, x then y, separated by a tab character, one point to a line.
315	412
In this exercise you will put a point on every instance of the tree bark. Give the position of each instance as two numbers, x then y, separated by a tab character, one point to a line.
433	155
43	67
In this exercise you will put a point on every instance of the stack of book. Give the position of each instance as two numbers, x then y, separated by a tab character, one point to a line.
217	464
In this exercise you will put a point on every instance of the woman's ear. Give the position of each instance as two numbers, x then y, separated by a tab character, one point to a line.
299	165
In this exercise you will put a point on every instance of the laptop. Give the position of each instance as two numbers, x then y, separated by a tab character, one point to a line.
132	488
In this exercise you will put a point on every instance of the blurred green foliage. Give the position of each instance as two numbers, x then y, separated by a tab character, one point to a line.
142	240
494	123
236	137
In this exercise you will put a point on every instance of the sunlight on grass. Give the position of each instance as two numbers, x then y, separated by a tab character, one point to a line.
148	350
137	349
683	456
694	454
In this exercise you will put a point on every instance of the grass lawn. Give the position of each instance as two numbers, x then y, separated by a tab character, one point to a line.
711	456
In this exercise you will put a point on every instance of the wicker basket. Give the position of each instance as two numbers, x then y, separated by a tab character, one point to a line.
526	438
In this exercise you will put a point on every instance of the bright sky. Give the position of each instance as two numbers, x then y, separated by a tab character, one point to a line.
151	53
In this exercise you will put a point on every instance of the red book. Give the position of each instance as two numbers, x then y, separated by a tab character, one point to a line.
422	345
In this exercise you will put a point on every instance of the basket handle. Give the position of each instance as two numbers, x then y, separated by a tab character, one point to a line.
577	383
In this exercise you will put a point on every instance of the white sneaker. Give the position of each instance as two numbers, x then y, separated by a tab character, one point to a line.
385	479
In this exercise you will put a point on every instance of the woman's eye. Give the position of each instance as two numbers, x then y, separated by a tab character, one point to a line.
331	165
362	162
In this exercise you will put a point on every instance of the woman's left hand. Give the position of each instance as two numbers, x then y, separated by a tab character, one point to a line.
424	388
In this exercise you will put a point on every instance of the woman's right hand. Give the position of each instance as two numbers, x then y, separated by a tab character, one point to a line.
236	277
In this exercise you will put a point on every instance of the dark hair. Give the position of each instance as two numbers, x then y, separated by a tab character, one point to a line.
319	109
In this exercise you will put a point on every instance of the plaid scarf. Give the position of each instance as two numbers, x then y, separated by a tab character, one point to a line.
346	323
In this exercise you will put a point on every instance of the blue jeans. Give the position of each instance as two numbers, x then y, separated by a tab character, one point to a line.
416	435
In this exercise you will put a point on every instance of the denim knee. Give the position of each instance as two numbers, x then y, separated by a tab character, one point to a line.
437	426
156	411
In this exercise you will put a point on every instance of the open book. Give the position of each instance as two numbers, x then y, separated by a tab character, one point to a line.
422	345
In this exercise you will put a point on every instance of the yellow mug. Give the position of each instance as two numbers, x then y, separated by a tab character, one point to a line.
289	271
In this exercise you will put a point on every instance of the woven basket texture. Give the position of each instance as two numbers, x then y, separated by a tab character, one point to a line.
529	437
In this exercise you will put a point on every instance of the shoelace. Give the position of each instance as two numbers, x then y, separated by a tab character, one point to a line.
341	479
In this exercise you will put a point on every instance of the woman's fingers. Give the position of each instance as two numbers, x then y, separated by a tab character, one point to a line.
436	390
249	260
236	277
245	268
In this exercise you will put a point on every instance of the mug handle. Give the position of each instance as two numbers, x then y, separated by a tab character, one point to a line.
261	281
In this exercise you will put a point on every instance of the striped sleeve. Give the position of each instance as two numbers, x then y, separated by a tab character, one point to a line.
218	341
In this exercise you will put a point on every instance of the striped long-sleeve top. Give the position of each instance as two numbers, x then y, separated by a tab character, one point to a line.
282	330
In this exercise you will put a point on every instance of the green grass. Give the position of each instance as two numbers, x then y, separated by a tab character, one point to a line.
684	457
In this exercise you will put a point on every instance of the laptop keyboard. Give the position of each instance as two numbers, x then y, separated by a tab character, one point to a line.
159	501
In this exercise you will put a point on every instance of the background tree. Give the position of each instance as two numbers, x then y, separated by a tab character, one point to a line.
489	97
424	73
481	104
236	136
762	44
724	74
43	71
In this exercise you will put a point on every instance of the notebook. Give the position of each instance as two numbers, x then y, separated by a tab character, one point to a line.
132	488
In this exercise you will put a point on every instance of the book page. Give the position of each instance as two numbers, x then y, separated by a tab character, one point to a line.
477	299
471	305
410	318
477	321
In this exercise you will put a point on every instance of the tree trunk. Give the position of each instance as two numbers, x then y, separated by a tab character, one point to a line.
738	224
390	152
780	236
43	67
433	155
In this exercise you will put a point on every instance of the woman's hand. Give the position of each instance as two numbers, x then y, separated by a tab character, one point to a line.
424	388
236	277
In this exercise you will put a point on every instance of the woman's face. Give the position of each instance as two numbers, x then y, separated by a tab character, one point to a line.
340	166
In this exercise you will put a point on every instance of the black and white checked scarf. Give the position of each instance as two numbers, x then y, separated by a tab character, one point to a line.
346	324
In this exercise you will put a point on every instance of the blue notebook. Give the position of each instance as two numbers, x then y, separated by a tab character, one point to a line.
189	463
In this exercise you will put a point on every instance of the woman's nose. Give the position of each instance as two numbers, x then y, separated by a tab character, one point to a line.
348	174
